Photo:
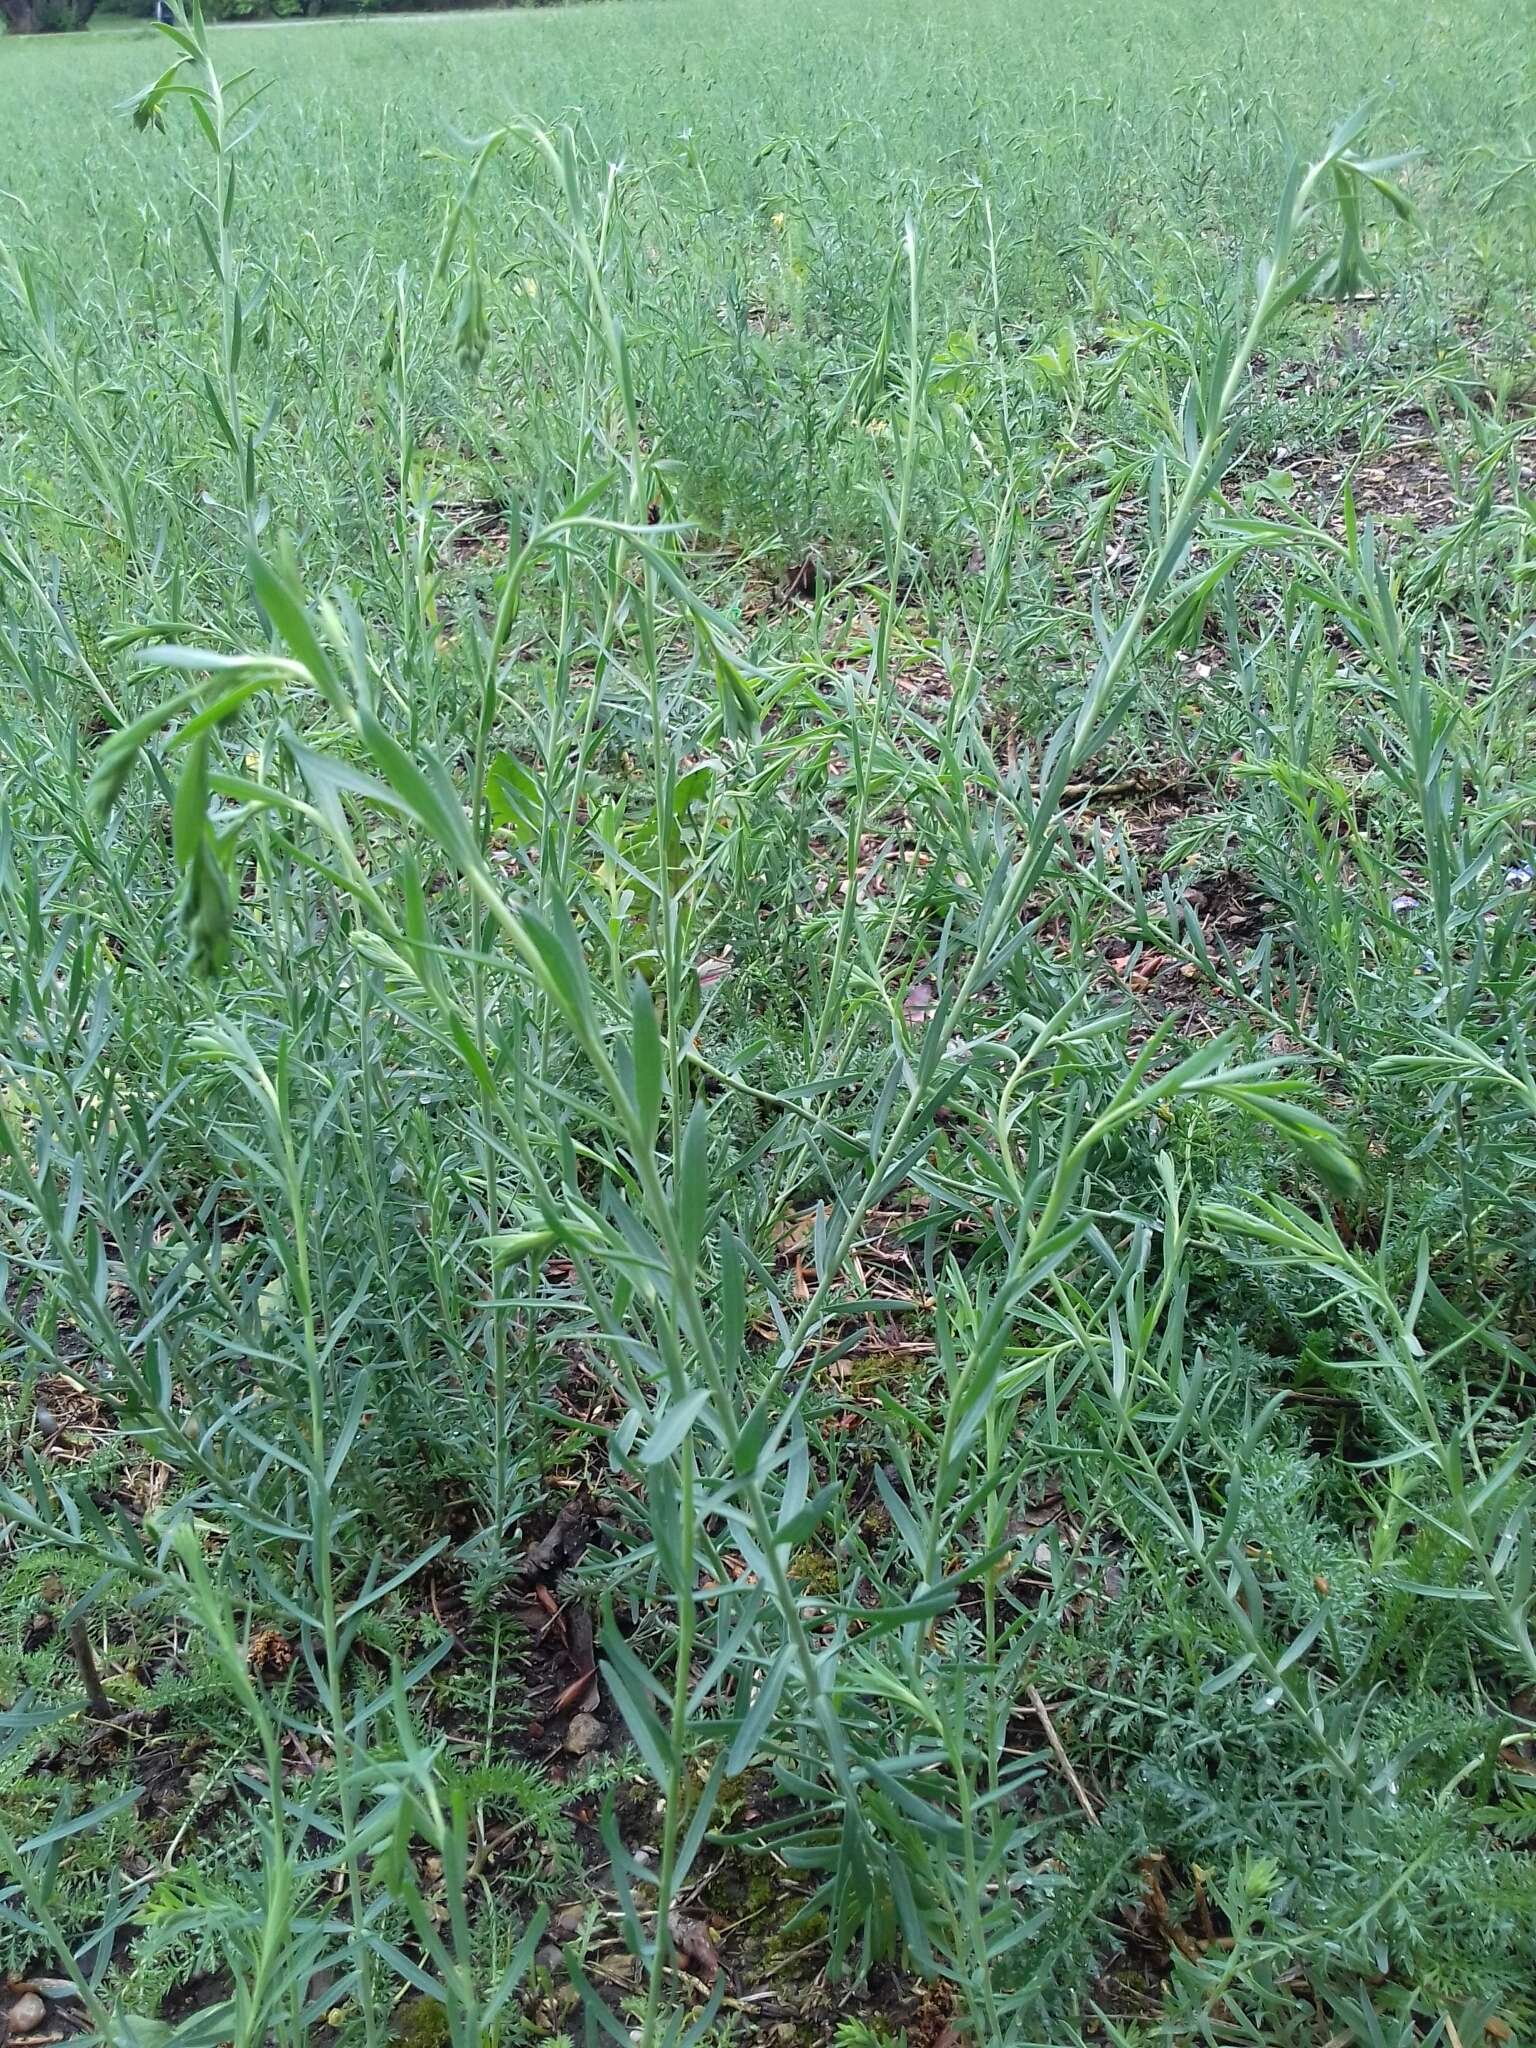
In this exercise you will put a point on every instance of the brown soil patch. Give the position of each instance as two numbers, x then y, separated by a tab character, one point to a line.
477	532
1408	482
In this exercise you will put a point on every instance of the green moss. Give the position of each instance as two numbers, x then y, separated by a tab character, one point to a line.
814	1570
421	2023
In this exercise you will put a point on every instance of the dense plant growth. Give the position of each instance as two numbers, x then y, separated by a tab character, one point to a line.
767	1119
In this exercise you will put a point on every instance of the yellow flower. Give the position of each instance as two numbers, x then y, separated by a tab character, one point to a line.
778	222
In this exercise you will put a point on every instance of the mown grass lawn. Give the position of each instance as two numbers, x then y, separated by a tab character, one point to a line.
767	1121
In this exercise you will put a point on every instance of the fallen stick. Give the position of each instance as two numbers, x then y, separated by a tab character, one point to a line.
1060	1753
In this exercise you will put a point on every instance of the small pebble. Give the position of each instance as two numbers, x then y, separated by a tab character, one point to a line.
26	2015
585	1733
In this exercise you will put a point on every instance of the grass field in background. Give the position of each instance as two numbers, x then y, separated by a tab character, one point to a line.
767	1117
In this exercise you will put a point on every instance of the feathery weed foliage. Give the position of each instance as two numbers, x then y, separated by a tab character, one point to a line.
768	1114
